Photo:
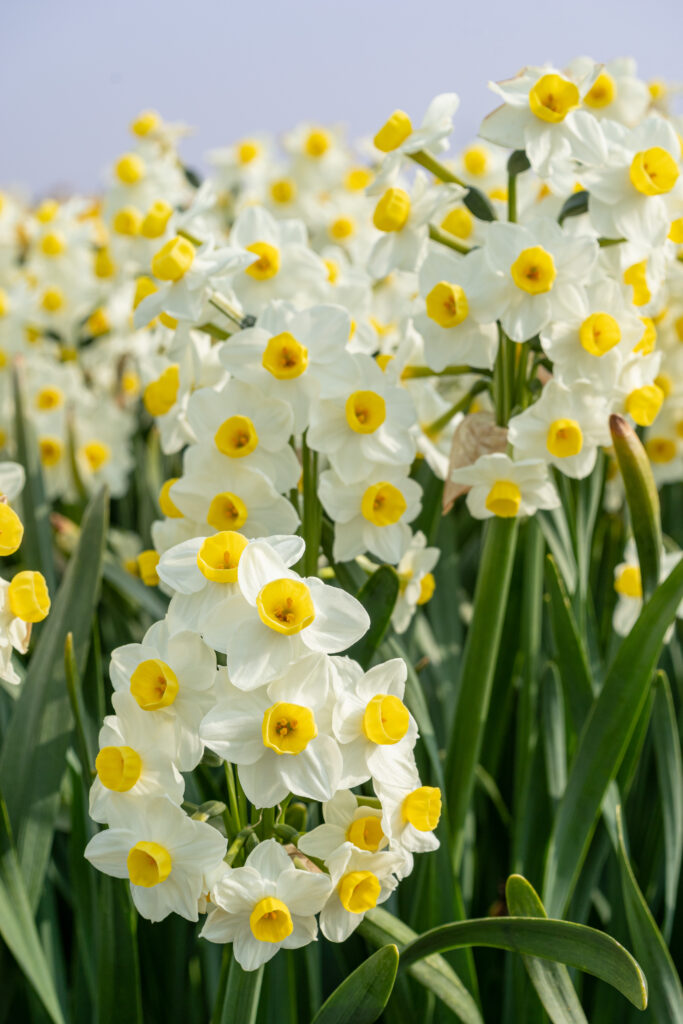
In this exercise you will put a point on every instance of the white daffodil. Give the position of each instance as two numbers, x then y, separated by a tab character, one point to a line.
404	220
564	427
166	856
617	93
370	423
281	618
416	581
372	515
294	356
172	678
483	166
498	486
345	821
360	881
397	138
15	634
540	114
593	343
410	811
222	493
629	188
533	275
135	761
247	426
282	266
187	274
280	739
202	573
265	906
372	724
637	392
456	325
629	588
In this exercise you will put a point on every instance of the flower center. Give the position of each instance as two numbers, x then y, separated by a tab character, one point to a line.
599	333
96	454
28	596
504	499
385	720
552	98
219	556
270	920
288	728
392	211
285	357
227	512
49	398
267	264
660	449
653	172
602	92
317	143
475	160
359	891
393	132
148	864
50	449
173	260
644	404
236	437
161	394
534	270
285	606
154	684
118	768
366	833
247	151
383	504
447	304
422	808
564	438
366	411
427	588
166	503
458	222
628	582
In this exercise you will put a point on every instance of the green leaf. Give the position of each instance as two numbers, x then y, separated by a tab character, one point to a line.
118	969
553	732
33	757
362	996
642	497
670	777
241	995
380	927
551	980
573	944
575	205
666	994
17	924
150	599
477	671
37	541
572	659
604	740
378	596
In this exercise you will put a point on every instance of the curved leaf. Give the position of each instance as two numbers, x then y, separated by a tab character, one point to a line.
362	996
241	995
604	740
573	944
378	596
551	980
670	778
642	498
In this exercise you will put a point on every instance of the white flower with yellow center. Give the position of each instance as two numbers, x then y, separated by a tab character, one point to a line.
410	812
533	275
265	906
593	343
403	220
629	587
664	444
318	155
102	442
483	166
345	821
540	114
185	274
135	761
368	424
617	93
370	720
248	427
166	856
630	190
360	881
283	618
279	737
225	495
372	515
283	265
416	580
171	677
564	427
397	138
498	486
455	322
15	634
202	573
297	357
244	164
638	391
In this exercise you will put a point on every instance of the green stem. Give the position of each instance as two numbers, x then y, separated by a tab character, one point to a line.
312	511
437	235
232	797
72	685
477	671
438	169
512	198
411	372
462	405
500	386
191	238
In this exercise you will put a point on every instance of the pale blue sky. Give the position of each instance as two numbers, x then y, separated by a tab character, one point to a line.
74	72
